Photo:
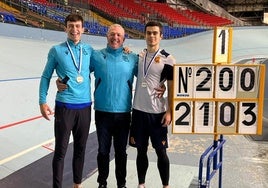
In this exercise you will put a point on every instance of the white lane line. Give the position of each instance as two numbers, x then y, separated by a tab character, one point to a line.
25	151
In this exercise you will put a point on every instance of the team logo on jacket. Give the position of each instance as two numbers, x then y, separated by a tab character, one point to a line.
125	58
157	59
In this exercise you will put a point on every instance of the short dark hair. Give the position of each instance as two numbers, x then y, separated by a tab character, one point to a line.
154	23
73	18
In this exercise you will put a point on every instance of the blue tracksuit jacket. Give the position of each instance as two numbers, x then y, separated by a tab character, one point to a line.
114	73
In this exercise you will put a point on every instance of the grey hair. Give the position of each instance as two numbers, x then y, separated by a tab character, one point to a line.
115	25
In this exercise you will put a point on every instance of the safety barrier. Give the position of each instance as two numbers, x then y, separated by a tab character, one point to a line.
214	160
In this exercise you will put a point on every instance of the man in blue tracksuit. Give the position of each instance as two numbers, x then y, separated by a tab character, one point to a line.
71	61
114	72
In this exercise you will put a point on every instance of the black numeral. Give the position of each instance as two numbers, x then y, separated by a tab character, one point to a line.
249	111
223	115
180	120
201	86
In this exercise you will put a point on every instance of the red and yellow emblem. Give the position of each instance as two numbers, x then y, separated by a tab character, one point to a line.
157	59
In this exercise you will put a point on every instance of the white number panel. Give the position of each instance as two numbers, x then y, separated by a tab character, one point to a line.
203	81
226	78
247	122
183	117
226	117
203	117
247	86
184	84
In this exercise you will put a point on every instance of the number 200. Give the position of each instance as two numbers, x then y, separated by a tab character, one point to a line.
247	79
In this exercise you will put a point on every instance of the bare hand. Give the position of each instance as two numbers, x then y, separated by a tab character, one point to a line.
127	50
61	86
166	120
45	111
159	91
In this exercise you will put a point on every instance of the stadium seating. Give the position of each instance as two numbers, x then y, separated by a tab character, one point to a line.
207	19
169	14
131	14
111	9
95	28
8	17
134	8
37	7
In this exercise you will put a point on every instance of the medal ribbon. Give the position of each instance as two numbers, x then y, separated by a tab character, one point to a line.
77	66
145	69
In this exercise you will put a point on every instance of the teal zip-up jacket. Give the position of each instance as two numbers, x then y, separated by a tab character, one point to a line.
114	73
60	59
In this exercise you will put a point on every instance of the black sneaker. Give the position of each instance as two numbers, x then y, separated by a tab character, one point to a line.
102	186
122	186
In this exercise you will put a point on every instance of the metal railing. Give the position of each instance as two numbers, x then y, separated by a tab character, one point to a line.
214	163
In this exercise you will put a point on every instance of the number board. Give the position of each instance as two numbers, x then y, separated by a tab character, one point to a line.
218	99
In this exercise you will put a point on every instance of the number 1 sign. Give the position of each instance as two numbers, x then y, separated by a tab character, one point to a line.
222	45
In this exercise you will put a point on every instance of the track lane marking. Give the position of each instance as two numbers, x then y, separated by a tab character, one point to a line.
25	151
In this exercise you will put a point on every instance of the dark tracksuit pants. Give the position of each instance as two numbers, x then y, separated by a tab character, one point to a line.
112	126
67	121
